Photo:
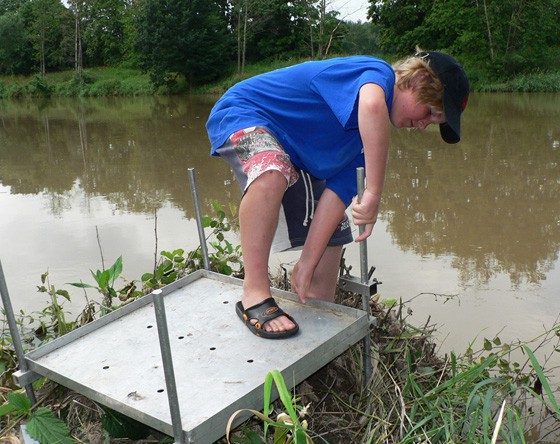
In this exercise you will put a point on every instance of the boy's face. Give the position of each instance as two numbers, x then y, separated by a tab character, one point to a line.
406	112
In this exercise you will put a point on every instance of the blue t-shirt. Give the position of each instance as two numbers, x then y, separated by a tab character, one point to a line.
312	109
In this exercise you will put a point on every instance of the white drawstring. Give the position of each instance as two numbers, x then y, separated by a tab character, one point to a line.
308	197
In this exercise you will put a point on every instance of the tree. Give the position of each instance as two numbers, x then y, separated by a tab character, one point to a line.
505	36
77	7
16	52
7	6
104	31
360	38
401	23
48	25
182	38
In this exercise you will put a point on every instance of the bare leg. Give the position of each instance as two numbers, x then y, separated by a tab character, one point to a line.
258	218
325	278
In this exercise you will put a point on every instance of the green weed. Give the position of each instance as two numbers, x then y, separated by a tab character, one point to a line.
288	428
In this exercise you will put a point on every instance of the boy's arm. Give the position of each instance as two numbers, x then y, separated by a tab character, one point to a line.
328	215
375	126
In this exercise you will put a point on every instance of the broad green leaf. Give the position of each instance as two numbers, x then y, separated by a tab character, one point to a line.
121	426
64	294
146	276
6	408
20	402
43	426
216	205
115	270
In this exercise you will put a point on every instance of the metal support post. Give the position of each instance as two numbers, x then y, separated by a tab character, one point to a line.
200	226
165	346
363	286
16	339
364	278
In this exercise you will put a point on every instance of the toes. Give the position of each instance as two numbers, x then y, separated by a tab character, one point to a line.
279	324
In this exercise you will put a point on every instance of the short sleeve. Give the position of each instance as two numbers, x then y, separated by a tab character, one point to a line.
340	84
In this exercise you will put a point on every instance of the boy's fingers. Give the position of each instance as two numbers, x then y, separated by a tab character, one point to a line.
365	234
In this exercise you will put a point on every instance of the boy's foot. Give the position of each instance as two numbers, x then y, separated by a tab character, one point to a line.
267	320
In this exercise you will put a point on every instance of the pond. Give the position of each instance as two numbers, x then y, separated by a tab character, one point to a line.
468	233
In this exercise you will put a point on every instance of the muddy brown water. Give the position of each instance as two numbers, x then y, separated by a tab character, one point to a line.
469	234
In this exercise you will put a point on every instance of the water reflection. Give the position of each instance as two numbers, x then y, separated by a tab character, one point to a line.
133	151
492	201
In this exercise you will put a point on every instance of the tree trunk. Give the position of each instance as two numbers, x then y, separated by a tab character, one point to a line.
239	39
245	24
78	63
490	44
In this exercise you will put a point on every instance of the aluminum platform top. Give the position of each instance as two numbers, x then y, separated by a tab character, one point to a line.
219	365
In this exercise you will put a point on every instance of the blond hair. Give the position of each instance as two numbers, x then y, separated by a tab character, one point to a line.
415	72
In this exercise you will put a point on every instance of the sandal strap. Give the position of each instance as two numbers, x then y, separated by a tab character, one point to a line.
263	312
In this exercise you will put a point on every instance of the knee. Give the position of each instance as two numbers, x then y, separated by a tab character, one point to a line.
270	182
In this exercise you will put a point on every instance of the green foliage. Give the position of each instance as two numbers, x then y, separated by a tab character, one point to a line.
52	319
501	37
187	38
105	280
48	24
42	424
40	87
15	47
288	428
226	258
477	397
118	425
170	267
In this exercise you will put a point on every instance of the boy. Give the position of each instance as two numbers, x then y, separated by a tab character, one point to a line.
294	138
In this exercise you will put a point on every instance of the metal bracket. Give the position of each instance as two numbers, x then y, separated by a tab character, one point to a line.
355	285
24	378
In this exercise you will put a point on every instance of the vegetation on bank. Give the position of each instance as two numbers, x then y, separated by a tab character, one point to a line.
111	82
495	393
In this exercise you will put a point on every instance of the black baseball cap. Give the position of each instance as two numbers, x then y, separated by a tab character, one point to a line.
455	91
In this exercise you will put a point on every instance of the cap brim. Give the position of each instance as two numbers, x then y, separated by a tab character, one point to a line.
451	130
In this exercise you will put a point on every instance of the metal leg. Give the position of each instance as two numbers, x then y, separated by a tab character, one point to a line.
165	346
15	333
364	280
362	286
201	236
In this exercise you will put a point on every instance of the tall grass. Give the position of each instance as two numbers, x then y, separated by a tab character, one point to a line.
531	82
93	83
120	81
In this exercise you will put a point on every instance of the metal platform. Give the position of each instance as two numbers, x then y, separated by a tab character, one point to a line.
219	365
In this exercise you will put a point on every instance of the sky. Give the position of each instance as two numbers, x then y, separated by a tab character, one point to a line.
353	10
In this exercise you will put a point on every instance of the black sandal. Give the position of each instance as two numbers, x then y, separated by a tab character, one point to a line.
262	313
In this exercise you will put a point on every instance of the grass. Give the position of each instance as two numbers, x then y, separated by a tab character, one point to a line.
121	81
95	82
496	393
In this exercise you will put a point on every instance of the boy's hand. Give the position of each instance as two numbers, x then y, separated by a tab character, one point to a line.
301	280
364	212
